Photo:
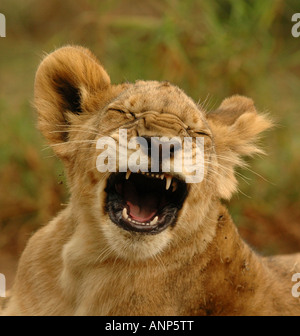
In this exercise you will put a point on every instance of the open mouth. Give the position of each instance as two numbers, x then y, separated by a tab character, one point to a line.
144	202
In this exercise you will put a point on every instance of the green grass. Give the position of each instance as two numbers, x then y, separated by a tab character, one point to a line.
211	49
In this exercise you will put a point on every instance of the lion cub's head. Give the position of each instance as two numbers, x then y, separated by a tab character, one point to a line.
115	141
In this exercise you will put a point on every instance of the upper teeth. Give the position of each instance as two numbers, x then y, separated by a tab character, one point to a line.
158	176
168	182
174	186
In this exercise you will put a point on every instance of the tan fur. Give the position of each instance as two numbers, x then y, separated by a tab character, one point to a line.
83	264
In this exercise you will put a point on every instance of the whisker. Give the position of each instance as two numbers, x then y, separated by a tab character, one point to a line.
246	166
74	130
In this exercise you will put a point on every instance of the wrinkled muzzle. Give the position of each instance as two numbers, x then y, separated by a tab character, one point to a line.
148	187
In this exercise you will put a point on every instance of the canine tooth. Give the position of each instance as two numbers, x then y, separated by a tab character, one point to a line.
124	213
128	174
154	221
174	186
168	181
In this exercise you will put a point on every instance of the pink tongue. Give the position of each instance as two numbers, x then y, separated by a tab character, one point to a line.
141	214
141	207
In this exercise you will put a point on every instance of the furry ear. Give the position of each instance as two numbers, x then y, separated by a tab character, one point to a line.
236	126
70	83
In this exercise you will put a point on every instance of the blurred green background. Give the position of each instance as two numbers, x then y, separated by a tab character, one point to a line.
211	49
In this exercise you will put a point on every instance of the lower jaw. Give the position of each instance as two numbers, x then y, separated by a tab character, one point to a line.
164	221
135	247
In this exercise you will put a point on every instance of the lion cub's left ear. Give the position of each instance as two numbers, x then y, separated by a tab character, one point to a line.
70	84
236	127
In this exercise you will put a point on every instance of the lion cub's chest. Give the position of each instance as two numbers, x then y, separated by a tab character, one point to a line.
131	292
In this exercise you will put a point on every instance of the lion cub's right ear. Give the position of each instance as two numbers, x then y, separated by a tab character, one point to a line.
70	84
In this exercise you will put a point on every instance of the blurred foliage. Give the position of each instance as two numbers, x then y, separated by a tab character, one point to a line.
211	49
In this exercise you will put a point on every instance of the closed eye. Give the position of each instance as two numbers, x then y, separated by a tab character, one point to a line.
202	133
115	109
198	132
131	113
123	112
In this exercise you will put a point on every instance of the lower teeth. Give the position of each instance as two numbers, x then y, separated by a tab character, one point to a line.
125	216
154	221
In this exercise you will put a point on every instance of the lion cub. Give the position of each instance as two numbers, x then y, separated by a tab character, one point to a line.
138	238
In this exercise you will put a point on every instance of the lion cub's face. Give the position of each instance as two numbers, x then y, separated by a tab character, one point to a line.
131	152
143	206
